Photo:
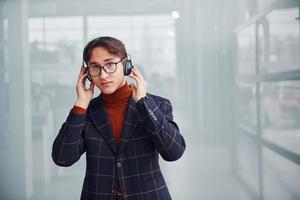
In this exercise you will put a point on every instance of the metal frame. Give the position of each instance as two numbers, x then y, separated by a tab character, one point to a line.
258	78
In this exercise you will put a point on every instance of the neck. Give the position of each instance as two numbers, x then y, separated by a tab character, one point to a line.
121	95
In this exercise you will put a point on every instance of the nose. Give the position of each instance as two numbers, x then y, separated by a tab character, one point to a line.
103	74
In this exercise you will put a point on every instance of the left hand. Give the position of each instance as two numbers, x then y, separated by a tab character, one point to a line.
139	89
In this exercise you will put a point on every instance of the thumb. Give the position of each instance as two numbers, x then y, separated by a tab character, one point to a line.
133	86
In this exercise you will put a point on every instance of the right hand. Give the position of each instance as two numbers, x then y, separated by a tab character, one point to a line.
84	95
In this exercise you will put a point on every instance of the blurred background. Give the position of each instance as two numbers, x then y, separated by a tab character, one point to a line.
231	69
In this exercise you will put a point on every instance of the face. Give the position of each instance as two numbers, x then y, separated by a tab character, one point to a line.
107	83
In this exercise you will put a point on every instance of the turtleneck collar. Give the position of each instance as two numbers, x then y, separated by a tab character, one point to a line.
120	96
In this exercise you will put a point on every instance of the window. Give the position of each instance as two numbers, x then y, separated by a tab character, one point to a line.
280	44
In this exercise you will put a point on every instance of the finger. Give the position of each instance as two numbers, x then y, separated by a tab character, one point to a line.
135	77
133	86
138	80
81	73
82	69
81	79
137	73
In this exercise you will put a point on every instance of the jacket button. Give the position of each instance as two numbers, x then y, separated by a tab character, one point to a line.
119	164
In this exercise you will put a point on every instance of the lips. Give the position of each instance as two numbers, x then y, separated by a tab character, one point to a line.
106	83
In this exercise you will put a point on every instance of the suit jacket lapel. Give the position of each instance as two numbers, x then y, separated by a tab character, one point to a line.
100	119
130	122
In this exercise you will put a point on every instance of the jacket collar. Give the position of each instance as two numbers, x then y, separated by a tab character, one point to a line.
99	118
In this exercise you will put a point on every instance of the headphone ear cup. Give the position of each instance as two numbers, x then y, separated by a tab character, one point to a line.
127	67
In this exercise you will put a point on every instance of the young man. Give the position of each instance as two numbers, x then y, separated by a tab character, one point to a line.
122	131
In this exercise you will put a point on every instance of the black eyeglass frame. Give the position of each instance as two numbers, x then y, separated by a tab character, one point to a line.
103	67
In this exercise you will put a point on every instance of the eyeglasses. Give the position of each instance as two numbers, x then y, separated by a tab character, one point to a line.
108	68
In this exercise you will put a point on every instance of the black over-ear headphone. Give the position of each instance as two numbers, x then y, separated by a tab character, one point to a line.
127	63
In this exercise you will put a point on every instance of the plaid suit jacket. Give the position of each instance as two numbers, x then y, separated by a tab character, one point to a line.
149	130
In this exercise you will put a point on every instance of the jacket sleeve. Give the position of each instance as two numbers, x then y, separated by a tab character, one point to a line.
68	146
165	134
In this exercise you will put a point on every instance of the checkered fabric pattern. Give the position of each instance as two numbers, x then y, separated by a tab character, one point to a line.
149	130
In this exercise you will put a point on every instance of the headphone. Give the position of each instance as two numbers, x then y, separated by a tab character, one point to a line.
127	64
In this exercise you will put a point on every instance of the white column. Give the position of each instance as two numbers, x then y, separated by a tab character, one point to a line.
16	159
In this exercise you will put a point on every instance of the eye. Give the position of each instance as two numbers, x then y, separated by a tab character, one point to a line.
110	66
93	69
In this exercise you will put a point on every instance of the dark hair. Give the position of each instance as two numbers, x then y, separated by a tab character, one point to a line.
112	45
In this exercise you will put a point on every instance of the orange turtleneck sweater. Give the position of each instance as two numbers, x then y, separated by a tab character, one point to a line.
116	106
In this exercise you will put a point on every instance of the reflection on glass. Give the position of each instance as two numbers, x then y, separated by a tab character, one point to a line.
280	43
55	39
280	113
281	177
246	107
246	51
